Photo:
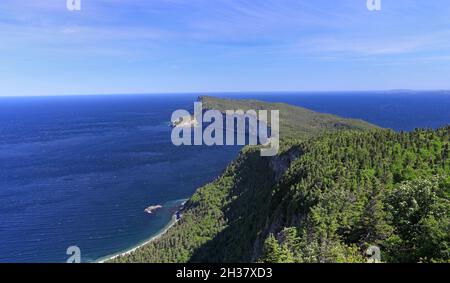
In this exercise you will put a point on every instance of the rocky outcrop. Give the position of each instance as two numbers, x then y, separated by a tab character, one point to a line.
281	163
152	209
185	122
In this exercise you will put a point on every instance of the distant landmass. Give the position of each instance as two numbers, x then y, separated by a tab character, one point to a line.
338	190
295	122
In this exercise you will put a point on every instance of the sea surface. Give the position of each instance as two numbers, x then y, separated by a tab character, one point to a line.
80	170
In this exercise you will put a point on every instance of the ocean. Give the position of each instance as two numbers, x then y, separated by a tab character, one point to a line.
80	170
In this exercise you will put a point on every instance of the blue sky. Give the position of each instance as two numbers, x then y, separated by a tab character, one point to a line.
156	46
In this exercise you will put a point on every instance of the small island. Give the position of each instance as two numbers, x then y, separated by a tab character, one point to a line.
152	208
185	122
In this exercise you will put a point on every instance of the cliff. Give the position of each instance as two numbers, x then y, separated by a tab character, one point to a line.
336	188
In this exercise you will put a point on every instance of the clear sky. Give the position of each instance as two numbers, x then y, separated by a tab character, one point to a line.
154	46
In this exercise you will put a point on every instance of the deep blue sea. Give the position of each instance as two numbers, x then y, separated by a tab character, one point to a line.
81	170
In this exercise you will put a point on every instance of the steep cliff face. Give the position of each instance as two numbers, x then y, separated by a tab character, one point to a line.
324	198
237	208
274	220
280	163
229	212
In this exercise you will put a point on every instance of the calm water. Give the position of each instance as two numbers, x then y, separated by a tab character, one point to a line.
81	170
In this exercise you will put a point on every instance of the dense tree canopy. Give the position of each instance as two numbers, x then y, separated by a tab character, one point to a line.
324	199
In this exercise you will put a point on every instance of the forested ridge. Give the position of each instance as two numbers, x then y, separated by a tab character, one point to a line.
295	122
323	199
352	190
337	188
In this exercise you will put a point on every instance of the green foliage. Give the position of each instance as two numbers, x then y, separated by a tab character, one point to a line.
348	191
274	253
295	122
324	199
421	215
225	213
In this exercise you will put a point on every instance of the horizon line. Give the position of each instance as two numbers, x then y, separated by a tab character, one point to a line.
229	92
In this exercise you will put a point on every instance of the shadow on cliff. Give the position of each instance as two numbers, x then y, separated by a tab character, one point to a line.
248	212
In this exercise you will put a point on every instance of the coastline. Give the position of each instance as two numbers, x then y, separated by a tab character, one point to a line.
154	237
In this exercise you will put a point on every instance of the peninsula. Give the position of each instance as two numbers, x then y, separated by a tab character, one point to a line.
337	188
